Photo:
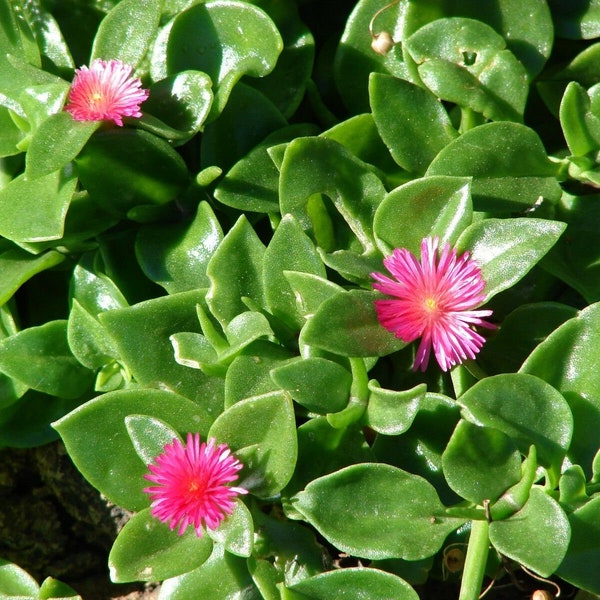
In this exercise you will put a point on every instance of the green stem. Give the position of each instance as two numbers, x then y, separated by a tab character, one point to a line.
477	553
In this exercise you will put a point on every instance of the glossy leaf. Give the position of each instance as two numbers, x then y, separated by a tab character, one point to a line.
347	324
508	164
14	581
537	536
40	358
526	409
176	255
432	206
320	385
35	210
149	436
583	551
127	31
232	39
581	127
290	249
411	121
506	249
56	142
262	431
234	272
147	550
573	345
577	21
405	503
361	582
480	462
97	440
466	62
236	532
391	412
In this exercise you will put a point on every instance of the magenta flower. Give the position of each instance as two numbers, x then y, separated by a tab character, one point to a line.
192	484
105	91
433	300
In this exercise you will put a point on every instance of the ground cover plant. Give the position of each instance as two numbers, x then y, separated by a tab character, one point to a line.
309	291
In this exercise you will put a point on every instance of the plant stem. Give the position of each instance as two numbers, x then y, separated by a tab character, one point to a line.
477	553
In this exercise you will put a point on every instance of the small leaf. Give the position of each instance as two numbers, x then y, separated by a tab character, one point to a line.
236	532
14	581
149	436
391	412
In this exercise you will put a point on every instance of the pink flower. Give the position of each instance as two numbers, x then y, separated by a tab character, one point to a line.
192	484
433	300
105	91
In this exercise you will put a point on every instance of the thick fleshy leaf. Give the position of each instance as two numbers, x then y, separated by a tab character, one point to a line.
234	272
411	121
18	266
480	463
223	575
15	582
508	164
149	325
399	514
526	409
149	436
583	553
97	440
229	39
236	532
466	62
127	31
574	346
506	249
175	255
290	249
34	210
576	21
360	582
147	550
433	206
581	127
347	324
122	168
391	412
310	290
320	385
262	431
56	142
40	358
537	536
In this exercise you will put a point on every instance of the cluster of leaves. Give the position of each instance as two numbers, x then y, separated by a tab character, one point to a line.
206	268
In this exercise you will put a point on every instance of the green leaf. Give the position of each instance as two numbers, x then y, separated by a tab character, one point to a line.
508	164
411	121
572	487
150	325
223	575
122	168
506	249
40	358
347	324
182	102
234	272
290	249
310	290
433	206
262	431
391	412
537	536
147	550
175	255
584	548
14	581
127	31
35	210
96	438
480	463
56	142
236	532
405	503
53	588
320	385
576	21
17	267
581	127
149	436
360	582
573	345
526	409
465	61
203	35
